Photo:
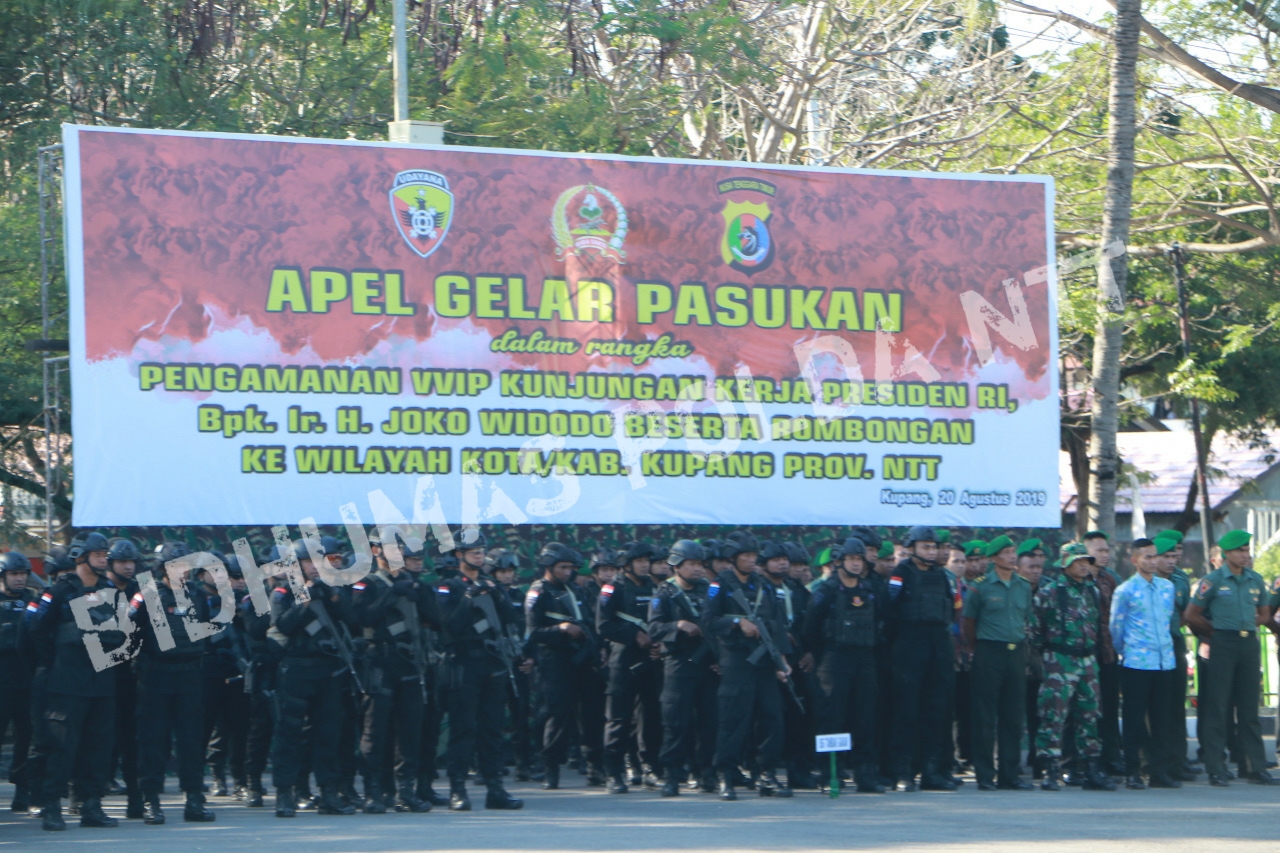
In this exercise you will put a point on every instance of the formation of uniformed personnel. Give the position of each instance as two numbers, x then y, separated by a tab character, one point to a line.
343	672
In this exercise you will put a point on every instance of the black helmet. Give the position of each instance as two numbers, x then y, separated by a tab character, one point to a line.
920	533
500	558
302	552
770	549
796	553
80	548
686	549
330	545
167	551
123	549
233	566
12	561
606	558
57	561
636	551
854	546
557	552
740	542
446	566
469	539
868	536
712	547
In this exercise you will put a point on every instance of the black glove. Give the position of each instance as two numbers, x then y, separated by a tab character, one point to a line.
404	587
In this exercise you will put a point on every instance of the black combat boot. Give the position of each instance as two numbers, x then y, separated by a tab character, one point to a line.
726	787
331	803
617	784
219	786
373	801
194	811
21	802
286	803
408	801
769	786
133	805
350	796
306	801
1052	776
51	817
651	778
671	782
498	798
253	797
933	780
551	781
427	791
1095	779
91	814
458	799
707	783
868	781
635	775
595	776
152	814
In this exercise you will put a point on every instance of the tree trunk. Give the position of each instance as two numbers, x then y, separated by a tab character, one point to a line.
1113	273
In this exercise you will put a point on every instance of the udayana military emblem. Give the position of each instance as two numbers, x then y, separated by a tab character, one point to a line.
423	209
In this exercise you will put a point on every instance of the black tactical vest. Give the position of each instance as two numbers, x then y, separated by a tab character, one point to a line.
851	621
926	596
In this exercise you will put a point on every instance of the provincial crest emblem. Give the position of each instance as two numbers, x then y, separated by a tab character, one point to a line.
589	220
423	209
747	245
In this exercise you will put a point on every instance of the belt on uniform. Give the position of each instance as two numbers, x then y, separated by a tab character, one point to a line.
1008	646
1071	651
1234	633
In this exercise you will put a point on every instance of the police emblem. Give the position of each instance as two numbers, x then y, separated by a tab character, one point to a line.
589	220
747	244
423	209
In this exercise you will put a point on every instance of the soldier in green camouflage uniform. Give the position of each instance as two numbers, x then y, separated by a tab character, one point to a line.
1065	628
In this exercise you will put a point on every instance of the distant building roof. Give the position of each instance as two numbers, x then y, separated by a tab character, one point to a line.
1167	461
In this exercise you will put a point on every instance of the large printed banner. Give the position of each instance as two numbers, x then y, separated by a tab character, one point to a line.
266	330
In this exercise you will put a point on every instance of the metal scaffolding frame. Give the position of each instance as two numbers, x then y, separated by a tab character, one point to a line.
49	185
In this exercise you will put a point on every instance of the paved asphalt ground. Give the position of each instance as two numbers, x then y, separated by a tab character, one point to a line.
1239	819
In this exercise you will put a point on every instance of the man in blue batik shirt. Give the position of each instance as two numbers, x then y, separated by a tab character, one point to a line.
1141	610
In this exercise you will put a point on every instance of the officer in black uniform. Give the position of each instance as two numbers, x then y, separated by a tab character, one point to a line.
260	686
57	563
123	559
476	616
750	690
311	678
17	666
226	704
793	599
922	610
622	619
690	682
392	607
78	707
842	629
502	565
560	629
170	695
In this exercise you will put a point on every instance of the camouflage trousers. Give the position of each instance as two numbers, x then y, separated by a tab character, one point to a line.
1069	689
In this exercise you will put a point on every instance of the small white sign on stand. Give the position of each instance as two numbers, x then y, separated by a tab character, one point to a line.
834	743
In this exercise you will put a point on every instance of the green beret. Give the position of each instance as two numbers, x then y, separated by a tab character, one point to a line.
944	535
995	546
974	548
1165	544
1169	534
586	568
1234	539
1029	546
1074	551
824	557
886	550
